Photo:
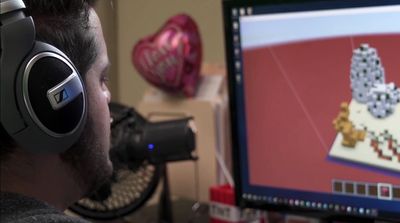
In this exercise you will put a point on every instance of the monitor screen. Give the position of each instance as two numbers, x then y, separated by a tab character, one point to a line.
315	105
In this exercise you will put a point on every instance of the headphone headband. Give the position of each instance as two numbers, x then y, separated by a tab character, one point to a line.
11	5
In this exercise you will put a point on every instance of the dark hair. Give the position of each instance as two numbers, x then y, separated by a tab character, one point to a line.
65	25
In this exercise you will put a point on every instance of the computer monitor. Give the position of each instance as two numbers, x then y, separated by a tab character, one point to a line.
315	106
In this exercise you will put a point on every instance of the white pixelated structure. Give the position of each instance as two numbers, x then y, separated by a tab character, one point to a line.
368	85
382	99
374	108
366	71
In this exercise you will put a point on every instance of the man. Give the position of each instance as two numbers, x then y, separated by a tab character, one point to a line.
38	187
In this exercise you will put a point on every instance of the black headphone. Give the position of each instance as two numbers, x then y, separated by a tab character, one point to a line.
43	104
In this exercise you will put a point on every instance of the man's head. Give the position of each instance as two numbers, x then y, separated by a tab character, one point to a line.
73	27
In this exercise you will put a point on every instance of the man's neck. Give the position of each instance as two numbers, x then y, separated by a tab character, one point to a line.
44	177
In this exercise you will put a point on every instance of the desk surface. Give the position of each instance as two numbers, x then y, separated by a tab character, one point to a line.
183	212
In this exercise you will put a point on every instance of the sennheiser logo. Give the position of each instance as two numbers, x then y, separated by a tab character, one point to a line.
65	92
61	96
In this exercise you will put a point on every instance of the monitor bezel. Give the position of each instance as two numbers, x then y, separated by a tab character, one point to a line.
227	6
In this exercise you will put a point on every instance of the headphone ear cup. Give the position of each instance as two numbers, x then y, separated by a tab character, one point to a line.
47	72
52	101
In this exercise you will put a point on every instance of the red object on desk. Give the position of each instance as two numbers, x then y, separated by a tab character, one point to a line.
223	209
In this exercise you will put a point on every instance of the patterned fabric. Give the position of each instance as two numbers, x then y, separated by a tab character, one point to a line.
20	209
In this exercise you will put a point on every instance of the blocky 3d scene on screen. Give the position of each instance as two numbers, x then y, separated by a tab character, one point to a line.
330	106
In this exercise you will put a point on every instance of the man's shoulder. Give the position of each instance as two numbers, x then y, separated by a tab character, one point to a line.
45	218
22	209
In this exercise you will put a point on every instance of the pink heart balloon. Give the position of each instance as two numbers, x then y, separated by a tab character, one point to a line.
171	58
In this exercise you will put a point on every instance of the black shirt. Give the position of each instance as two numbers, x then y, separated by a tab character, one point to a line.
21	209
